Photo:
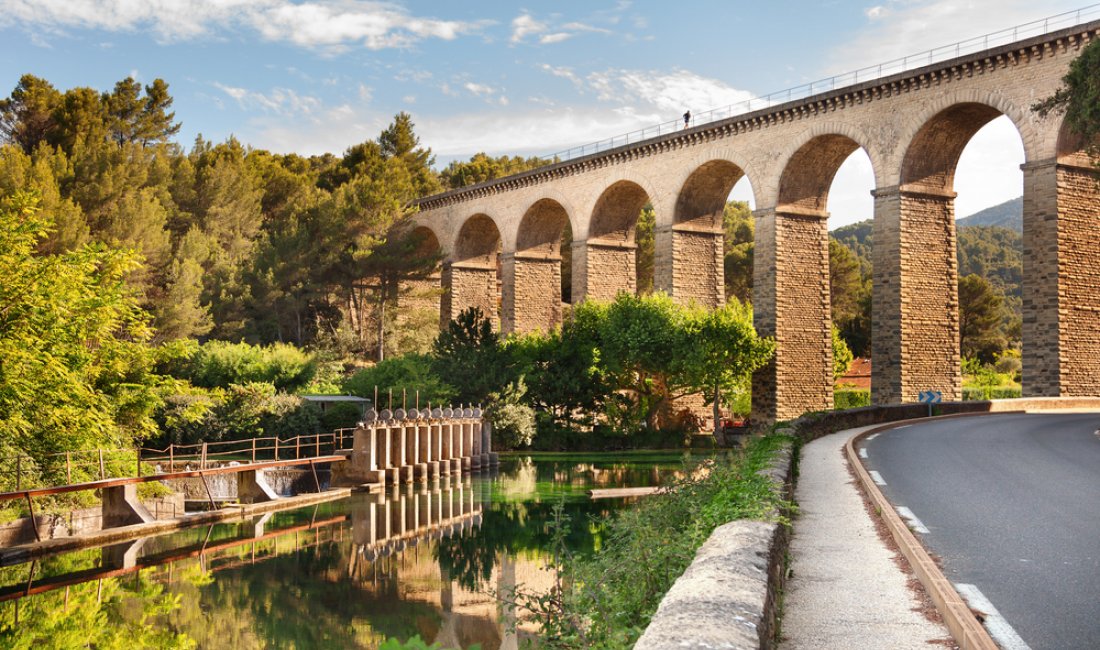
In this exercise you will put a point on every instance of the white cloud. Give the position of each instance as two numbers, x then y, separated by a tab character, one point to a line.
899	28
556	37
669	93
330	25
524	25
279	101
478	89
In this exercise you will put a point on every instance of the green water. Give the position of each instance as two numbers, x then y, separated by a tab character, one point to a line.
419	560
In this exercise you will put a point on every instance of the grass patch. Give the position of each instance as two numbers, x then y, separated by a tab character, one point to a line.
606	599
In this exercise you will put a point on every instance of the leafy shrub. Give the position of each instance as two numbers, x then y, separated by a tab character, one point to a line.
975	393
411	373
236	413
850	398
513	426
219	364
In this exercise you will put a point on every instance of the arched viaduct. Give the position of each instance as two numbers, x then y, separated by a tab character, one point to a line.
913	127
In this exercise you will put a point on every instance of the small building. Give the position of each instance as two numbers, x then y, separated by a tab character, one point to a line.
858	375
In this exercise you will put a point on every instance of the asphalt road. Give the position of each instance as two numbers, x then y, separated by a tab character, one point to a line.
1011	504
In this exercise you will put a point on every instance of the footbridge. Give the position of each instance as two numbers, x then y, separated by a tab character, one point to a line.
501	239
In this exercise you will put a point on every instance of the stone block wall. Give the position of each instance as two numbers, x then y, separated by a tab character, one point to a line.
531	295
603	270
1079	245
468	286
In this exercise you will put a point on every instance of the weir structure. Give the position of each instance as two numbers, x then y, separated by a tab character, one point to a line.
403	446
502	239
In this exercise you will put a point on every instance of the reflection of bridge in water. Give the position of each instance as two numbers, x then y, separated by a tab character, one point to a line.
377	525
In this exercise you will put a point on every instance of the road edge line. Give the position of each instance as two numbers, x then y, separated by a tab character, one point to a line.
967	631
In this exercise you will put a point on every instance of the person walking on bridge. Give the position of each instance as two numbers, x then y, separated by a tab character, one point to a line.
687	119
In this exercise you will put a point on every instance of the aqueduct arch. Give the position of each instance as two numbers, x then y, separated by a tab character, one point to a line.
603	263
531	297
913	125
471	275
689	260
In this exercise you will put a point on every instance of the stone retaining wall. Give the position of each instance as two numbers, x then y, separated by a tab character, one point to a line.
729	596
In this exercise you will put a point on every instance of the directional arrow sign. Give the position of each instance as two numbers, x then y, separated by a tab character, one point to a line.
931	397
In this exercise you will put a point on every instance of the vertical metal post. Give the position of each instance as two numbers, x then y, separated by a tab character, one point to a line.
202	459
137	458
18	473
34	522
276	447
172	457
253	450
102	467
68	467
297	447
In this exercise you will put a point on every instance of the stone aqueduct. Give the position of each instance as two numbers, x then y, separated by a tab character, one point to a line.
913	127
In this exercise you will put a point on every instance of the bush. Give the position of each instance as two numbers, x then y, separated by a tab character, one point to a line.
977	393
513	426
411	373
218	364
850	398
237	413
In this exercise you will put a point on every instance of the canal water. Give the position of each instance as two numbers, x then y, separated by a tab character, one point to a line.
425	560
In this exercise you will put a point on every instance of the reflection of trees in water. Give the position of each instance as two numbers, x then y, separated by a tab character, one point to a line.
110	613
517	528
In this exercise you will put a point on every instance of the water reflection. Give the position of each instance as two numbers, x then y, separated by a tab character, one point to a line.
416	560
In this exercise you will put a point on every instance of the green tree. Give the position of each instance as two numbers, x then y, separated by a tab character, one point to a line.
739	237
842	355
75	370
644	253
981	317
27	116
482	168
470	356
724	350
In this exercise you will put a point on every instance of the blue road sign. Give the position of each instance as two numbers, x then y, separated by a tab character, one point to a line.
931	397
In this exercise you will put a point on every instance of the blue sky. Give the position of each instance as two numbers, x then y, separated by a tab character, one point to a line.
311	76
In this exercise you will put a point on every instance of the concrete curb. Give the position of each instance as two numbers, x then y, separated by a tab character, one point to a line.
729	596
960	620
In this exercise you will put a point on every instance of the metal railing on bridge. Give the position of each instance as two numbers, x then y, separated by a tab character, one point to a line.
910	62
23	472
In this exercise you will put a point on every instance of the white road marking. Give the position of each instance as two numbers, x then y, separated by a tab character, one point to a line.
863	452
872	437
995	624
877	477
914	523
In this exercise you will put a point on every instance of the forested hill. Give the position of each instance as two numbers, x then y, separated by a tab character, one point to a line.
991	251
1009	214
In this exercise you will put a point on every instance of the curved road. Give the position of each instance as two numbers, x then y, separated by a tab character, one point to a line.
1011	504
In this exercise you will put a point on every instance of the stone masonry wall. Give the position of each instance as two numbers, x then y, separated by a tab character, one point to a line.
1079	236
468	287
929	298
531	299
1042	371
608	269
698	271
